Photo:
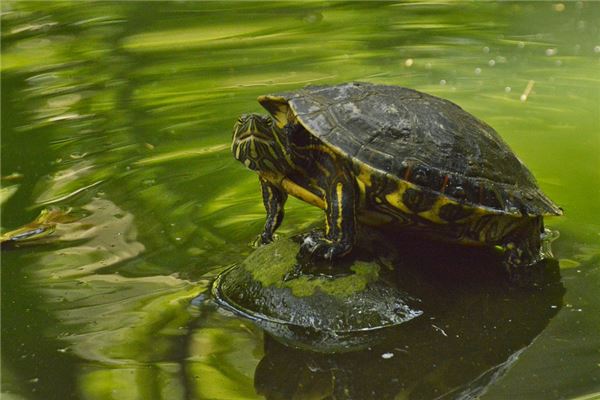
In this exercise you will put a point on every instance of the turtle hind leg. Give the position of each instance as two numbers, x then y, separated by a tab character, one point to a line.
523	252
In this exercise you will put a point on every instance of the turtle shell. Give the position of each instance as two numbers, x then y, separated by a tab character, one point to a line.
420	138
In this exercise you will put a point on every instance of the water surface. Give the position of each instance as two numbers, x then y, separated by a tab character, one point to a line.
118	117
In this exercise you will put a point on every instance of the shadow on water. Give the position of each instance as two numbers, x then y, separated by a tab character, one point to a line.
473	328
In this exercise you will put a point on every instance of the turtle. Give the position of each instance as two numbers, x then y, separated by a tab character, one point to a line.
388	155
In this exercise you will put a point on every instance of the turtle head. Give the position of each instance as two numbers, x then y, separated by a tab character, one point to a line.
257	143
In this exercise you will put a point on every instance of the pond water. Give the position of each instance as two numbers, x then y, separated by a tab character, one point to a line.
116	120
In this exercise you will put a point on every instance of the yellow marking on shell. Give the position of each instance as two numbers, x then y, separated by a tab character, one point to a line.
433	214
281	112
365	175
281	115
338	189
395	198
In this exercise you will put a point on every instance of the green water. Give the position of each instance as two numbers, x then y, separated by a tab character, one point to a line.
120	114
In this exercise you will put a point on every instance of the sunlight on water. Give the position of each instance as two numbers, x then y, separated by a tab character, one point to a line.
116	130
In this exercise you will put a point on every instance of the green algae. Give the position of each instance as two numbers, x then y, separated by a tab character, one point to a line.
270	264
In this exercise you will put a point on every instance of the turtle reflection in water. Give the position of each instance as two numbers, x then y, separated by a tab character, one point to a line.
391	155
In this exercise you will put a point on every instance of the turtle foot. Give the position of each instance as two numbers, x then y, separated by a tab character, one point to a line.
316	246
263	238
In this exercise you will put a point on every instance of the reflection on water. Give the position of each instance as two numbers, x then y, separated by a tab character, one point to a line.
473	330
122	113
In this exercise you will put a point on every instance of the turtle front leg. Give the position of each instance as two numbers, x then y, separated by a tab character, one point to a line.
274	200
340	220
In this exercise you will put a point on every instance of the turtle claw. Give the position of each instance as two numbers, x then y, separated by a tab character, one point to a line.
312	245
316	246
262	239
296	272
